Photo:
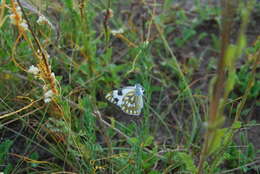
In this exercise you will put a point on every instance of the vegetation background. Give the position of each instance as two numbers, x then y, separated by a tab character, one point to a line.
197	60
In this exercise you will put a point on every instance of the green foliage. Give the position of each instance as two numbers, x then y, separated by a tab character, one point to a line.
171	51
236	158
220	138
231	80
187	161
34	156
186	36
242	81
182	161
236	125
4	149
69	4
89	129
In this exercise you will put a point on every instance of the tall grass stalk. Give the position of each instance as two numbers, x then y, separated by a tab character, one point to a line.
218	88
224	81
2	13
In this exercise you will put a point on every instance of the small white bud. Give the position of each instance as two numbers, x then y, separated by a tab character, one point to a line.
47	55
53	75
119	31
48	94
47	100
34	70
42	19
18	9
24	25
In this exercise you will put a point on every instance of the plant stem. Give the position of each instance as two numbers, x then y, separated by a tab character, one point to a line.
218	88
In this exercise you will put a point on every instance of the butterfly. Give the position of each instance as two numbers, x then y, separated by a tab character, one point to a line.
129	99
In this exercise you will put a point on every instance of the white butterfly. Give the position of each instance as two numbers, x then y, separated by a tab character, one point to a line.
129	99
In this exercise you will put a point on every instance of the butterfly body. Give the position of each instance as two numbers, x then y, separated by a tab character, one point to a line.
129	99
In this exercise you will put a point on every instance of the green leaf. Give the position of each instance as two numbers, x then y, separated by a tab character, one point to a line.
8	168
230	55
154	172
187	160
187	34
148	141
237	125
211	86
202	36
242	42
251	151
218	139
69	4
218	123
133	140
148	160
4	148
101	104
34	156
231	81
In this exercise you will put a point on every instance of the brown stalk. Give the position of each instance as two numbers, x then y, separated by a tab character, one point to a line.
43	65
218	88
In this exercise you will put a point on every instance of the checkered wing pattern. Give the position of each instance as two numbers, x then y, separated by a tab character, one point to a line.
127	100
132	104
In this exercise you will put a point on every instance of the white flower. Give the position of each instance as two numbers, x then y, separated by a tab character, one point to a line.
34	70
24	25
119	31
42	19
18	9
53	75
39	53
47	100
48	94
47	55
16	19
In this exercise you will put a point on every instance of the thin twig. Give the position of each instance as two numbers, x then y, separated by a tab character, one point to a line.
239	168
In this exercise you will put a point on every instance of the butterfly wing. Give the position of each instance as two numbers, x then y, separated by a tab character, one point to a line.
132	104
127	100
116	96
111	97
